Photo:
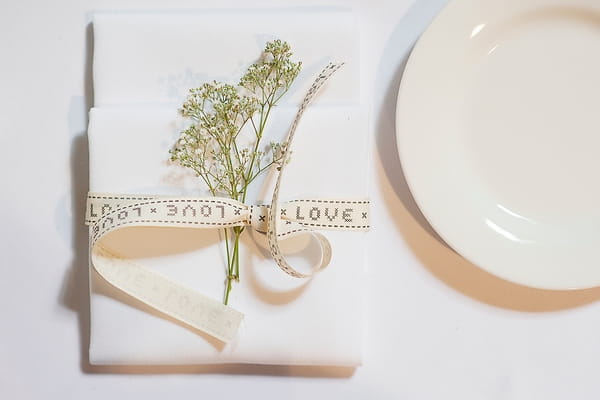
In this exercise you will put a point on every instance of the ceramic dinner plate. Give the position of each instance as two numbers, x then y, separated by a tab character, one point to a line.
498	128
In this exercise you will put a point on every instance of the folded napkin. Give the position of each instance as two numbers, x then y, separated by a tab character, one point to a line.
143	65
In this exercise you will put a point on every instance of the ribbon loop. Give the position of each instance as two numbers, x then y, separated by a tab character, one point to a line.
273	228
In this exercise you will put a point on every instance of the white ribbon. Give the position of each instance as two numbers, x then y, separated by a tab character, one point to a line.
109	212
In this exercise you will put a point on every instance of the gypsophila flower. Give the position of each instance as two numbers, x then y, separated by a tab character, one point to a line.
211	145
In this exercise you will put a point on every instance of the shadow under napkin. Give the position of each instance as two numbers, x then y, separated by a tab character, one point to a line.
226	369
432	252
75	291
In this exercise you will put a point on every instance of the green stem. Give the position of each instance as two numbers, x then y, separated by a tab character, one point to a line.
236	251
261	128
233	261
227	290
227	248
228	251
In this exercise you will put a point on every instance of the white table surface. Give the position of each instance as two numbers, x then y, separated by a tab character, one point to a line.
438	327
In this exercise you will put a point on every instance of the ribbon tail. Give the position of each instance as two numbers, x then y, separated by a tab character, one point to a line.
166	296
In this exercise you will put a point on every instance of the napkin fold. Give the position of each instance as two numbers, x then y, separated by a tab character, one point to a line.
140	62
154	58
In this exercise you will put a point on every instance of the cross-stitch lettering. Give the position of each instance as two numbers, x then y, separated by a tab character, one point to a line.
107	221
105	208
314	214
189	207
331	217
347	214
330	213
205	210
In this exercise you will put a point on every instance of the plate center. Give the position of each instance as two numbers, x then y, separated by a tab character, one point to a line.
532	113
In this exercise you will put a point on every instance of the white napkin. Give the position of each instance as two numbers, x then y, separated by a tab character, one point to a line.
156	58
135	122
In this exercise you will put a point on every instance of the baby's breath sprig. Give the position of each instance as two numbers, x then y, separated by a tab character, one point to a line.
211	145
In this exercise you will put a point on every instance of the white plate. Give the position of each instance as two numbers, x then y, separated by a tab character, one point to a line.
498	126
